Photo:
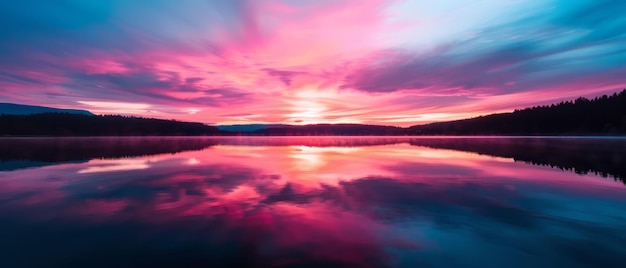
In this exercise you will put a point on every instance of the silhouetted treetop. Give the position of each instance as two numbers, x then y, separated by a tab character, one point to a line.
605	115
64	124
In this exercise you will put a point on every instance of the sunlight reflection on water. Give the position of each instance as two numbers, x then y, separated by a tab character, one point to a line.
333	202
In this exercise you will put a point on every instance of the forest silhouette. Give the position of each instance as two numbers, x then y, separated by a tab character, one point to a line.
605	115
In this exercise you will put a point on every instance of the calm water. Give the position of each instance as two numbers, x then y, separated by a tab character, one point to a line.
313	202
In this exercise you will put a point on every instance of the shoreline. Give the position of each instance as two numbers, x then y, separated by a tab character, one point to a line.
334	136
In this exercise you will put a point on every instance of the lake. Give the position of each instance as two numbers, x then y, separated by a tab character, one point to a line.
313	202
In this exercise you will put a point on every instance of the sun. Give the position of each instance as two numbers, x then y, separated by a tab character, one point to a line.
306	112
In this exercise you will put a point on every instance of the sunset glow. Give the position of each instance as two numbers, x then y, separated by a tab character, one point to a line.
389	62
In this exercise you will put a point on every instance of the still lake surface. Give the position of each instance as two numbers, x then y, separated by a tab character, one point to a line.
313	202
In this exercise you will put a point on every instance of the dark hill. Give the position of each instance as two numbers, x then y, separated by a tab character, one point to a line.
604	115
20	109
62	124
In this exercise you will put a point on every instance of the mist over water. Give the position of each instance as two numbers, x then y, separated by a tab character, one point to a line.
312	202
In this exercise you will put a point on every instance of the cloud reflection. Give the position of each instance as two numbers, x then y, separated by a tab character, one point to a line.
116	165
378	206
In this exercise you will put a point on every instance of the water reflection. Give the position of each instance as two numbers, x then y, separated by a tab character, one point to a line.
294	202
601	156
20	153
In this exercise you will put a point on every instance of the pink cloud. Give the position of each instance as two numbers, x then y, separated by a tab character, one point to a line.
305	62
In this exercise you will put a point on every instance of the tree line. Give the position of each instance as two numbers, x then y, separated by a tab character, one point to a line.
65	124
605	115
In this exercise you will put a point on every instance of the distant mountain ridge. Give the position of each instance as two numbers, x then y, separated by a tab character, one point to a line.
21	109
249	127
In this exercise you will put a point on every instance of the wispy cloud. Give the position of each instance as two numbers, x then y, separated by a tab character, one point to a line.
370	61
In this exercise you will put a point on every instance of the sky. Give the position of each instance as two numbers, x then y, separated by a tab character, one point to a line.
394	62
